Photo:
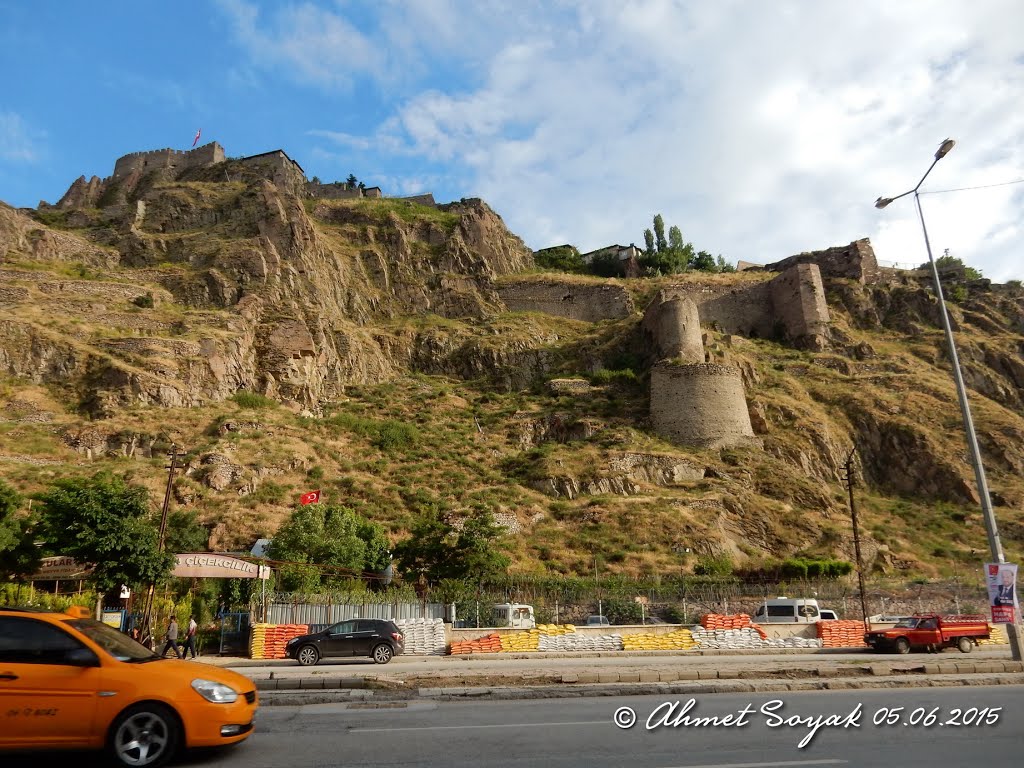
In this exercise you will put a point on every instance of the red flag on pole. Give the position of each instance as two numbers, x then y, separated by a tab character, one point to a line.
310	498
196	139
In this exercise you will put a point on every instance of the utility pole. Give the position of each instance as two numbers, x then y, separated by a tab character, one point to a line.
850	478
147	616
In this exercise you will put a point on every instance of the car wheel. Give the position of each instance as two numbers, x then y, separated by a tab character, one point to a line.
145	736
308	655
382	654
902	645
964	644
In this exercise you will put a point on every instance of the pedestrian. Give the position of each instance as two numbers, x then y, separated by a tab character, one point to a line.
136	634
171	638
190	638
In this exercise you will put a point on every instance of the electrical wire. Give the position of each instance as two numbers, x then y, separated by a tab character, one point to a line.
964	189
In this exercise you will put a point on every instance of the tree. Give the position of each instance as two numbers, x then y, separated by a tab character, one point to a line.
649	244
19	555
437	550
659	233
564	257
703	262
327	535
107	523
675	238
723	266
184	533
351	182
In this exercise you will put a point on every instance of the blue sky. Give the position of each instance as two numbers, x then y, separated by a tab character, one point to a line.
761	129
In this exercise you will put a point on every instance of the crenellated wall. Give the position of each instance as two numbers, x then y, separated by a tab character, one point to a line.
160	159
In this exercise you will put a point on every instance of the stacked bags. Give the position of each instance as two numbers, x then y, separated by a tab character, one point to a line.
487	644
996	636
521	642
678	640
268	640
747	637
423	637
572	642
733	621
841	634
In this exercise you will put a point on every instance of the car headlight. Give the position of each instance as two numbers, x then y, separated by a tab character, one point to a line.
214	692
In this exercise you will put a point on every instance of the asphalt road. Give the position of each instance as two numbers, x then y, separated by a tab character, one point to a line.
580	732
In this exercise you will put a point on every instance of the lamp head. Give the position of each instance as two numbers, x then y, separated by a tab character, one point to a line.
882	202
944	148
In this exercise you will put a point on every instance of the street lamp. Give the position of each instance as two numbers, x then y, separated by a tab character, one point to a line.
995	546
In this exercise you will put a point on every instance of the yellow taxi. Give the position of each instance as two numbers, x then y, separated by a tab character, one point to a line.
70	682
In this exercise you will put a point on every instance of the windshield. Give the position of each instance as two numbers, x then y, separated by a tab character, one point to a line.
117	644
906	623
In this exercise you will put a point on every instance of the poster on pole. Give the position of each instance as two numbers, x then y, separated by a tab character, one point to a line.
1001	579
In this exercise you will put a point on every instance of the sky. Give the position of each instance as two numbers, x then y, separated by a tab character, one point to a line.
760	129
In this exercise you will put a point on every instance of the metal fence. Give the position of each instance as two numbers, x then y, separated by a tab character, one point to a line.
329	613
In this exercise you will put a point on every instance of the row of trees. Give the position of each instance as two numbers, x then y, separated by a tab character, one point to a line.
109	523
673	255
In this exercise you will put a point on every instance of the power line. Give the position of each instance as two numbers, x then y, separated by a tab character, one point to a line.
964	189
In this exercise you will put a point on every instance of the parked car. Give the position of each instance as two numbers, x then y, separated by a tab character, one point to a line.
827	614
378	639
70	682
788	610
598	621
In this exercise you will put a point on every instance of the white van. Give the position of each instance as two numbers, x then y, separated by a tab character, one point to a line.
515	615
788	610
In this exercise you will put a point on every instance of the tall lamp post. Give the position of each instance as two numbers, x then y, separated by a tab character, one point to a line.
995	546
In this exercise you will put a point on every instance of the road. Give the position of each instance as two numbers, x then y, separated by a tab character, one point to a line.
579	732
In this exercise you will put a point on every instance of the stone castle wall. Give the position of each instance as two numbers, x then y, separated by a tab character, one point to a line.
700	404
798	303
855	261
791	305
160	159
576	301
277	167
337	190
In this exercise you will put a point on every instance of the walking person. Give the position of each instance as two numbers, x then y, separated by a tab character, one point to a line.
171	638
190	638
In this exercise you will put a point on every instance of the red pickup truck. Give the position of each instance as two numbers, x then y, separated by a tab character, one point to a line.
930	632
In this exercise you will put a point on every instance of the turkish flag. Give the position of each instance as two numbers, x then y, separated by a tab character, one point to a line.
196	139
310	498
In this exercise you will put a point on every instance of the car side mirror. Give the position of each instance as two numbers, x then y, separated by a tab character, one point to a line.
81	657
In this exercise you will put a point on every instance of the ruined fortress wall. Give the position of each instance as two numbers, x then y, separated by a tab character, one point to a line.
675	327
159	159
740	309
855	261
798	302
700	405
337	190
576	301
280	169
424	199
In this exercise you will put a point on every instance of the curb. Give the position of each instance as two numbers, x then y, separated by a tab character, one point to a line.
366	699
322	682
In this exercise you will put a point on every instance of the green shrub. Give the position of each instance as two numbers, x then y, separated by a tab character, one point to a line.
254	400
146	302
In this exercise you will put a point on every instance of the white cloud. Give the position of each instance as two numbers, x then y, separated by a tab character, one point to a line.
761	130
312	43
18	142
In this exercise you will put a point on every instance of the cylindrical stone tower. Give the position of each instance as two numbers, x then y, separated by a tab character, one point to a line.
678	330
701	404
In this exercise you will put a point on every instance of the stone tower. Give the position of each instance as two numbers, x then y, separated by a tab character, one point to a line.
674	326
700	404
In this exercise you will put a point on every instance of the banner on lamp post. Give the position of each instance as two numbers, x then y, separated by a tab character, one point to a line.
1001	579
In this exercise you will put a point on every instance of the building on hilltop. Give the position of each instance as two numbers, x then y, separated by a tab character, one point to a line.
627	258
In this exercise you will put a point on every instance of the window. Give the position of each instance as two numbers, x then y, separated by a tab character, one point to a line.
29	641
366	625
343	628
780	610
808	611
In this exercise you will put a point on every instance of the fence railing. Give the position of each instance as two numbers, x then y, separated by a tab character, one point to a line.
329	613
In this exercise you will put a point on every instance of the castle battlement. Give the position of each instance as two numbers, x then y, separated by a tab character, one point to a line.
178	159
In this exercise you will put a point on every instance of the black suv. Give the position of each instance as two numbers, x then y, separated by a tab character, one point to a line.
376	638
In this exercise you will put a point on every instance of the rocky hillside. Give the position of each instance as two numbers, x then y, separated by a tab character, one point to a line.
363	346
